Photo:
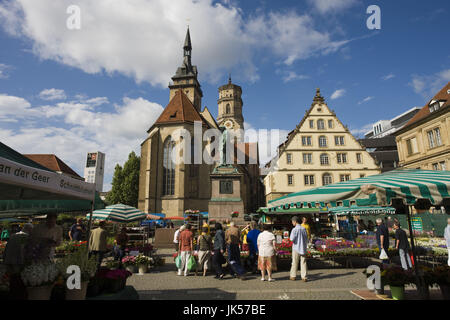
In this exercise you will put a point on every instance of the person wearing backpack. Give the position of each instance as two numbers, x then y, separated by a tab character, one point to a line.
204	251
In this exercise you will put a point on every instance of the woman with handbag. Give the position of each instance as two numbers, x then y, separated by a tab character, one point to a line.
219	248
204	250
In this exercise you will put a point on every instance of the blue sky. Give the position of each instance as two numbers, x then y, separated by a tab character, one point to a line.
70	92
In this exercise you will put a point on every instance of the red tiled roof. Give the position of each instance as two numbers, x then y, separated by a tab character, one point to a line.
180	109
52	162
425	111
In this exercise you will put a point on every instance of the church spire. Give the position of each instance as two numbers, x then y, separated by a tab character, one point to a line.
187	50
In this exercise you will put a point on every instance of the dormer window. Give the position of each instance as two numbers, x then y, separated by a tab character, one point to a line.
435	105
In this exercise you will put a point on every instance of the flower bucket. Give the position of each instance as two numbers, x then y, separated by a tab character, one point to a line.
40	293
445	290
143	268
77	294
398	293
132	269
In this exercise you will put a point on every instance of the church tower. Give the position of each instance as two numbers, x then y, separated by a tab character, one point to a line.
186	77
230	106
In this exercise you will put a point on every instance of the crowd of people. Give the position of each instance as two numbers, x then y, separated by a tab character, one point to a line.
258	239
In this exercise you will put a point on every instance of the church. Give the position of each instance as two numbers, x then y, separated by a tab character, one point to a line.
173	188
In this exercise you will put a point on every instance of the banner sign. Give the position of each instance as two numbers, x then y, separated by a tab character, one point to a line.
28	177
416	224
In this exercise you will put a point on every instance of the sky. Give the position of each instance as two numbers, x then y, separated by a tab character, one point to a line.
100	87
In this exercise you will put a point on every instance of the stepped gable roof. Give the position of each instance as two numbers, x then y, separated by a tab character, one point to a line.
180	110
442	95
54	163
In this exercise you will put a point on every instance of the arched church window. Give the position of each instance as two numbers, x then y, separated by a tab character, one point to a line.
228	109
168	167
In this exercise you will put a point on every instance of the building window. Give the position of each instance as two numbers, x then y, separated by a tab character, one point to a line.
435	166
359	158
307	158
411	145
345	177
169	168
339	140
311	124
320	124
228	109
326	179
289	158
309	180
324	159
443	166
434	106
290	179
362	175
342	158
322	141
434	138
330	124
306	141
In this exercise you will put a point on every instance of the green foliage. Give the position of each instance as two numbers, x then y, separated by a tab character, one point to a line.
125	184
88	266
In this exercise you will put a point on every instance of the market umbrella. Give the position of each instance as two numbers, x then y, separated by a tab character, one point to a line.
409	185
119	213
153	217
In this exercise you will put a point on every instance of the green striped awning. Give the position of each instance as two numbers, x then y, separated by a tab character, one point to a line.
377	190
119	213
355	210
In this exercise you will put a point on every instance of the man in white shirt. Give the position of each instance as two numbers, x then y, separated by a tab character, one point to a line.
447	239
176	237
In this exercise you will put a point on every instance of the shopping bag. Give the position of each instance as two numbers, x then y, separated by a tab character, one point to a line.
192	264
383	255
178	261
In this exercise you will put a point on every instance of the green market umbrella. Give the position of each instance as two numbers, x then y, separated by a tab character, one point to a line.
377	190
119	213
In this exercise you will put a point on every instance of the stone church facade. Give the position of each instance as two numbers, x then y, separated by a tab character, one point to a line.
172	188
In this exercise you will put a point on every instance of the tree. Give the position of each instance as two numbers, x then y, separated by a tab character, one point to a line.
125	184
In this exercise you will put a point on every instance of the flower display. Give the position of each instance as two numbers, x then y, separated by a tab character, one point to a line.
118	274
39	274
442	275
141	259
234	214
88	266
129	261
190	211
394	275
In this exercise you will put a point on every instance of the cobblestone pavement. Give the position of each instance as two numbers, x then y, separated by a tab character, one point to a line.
162	283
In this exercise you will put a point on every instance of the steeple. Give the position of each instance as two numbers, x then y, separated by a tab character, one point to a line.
186	76
187	50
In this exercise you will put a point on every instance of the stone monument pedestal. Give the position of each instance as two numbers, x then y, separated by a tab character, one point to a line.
226	194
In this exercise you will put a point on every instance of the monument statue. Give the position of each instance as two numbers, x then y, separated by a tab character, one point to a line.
223	147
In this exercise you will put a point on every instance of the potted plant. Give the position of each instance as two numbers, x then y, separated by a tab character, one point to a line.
88	267
113	265
442	278
142	262
396	278
129	262
39	279
113	280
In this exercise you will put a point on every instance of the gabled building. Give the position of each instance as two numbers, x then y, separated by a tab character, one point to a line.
318	152
424	142
52	162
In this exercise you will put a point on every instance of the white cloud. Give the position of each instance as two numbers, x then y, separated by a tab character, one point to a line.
13	108
3	71
360	132
327	6
388	76
367	99
143	39
337	94
82	129
292	76
428	85
52	94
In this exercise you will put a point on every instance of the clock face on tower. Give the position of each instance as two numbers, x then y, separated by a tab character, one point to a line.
229	124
